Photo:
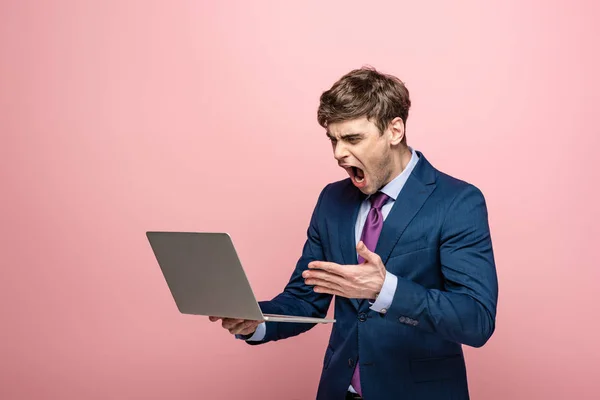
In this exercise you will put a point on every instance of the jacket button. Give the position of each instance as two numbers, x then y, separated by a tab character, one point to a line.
350	363
362	317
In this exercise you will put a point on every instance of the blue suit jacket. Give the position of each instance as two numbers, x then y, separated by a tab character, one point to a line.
436	240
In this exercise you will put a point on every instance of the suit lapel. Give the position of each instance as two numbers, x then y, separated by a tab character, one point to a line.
348	214
416	190
409	202
346	229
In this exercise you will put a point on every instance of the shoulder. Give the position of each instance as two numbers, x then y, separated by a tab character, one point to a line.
336	190
454	186
340	187
464	203
338	195
456	196
449	187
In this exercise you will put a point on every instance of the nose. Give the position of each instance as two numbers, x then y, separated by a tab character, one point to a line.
340	151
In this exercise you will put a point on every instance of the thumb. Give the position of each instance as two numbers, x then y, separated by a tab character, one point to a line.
365	253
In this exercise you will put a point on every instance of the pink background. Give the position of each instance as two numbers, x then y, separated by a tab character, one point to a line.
120	117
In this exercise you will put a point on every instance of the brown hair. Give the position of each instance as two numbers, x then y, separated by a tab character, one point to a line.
365	92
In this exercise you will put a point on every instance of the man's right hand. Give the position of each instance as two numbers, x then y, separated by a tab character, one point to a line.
237	326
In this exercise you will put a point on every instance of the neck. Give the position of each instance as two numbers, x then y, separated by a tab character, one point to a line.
400	162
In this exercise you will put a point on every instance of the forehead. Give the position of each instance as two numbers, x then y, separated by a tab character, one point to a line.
351	127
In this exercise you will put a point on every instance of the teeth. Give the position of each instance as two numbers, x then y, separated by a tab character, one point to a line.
356	174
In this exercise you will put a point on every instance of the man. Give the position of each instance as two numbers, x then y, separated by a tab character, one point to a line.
404	248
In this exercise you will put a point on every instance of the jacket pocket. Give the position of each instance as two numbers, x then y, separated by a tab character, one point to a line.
438	368
402	248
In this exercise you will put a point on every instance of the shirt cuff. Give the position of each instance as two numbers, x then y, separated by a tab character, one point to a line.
259	334
386	296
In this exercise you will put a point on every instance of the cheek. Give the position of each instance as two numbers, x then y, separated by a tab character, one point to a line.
366	156
377	167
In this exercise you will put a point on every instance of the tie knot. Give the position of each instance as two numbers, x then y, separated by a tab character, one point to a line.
378	199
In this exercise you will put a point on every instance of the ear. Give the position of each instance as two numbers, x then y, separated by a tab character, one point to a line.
396	131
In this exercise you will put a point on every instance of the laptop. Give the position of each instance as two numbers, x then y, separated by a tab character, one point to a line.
205	277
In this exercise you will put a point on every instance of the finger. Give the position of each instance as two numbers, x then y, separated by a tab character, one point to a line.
367	254
326	290
247	328
325	284
236	328
248	331
323	275
333	282
229	323
214	319
326	266
244	326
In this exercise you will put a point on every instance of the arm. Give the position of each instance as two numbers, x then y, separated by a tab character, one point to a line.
465	310
386	295
297	298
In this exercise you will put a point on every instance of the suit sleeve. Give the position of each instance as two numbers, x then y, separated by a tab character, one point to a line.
298	298
465	310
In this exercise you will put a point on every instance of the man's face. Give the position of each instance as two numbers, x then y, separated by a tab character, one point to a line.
365	153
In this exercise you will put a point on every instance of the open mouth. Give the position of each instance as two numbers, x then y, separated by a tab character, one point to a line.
357	175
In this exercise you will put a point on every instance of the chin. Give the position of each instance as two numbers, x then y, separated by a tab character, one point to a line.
368	190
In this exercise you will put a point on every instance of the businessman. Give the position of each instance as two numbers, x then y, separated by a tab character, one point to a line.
404	248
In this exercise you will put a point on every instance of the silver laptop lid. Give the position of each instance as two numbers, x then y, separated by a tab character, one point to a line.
204	274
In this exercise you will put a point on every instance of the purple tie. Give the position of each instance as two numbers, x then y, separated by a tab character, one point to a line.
370	236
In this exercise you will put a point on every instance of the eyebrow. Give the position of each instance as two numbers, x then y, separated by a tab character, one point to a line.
346	136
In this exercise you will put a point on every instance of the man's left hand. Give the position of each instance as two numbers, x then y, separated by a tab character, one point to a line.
363	281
